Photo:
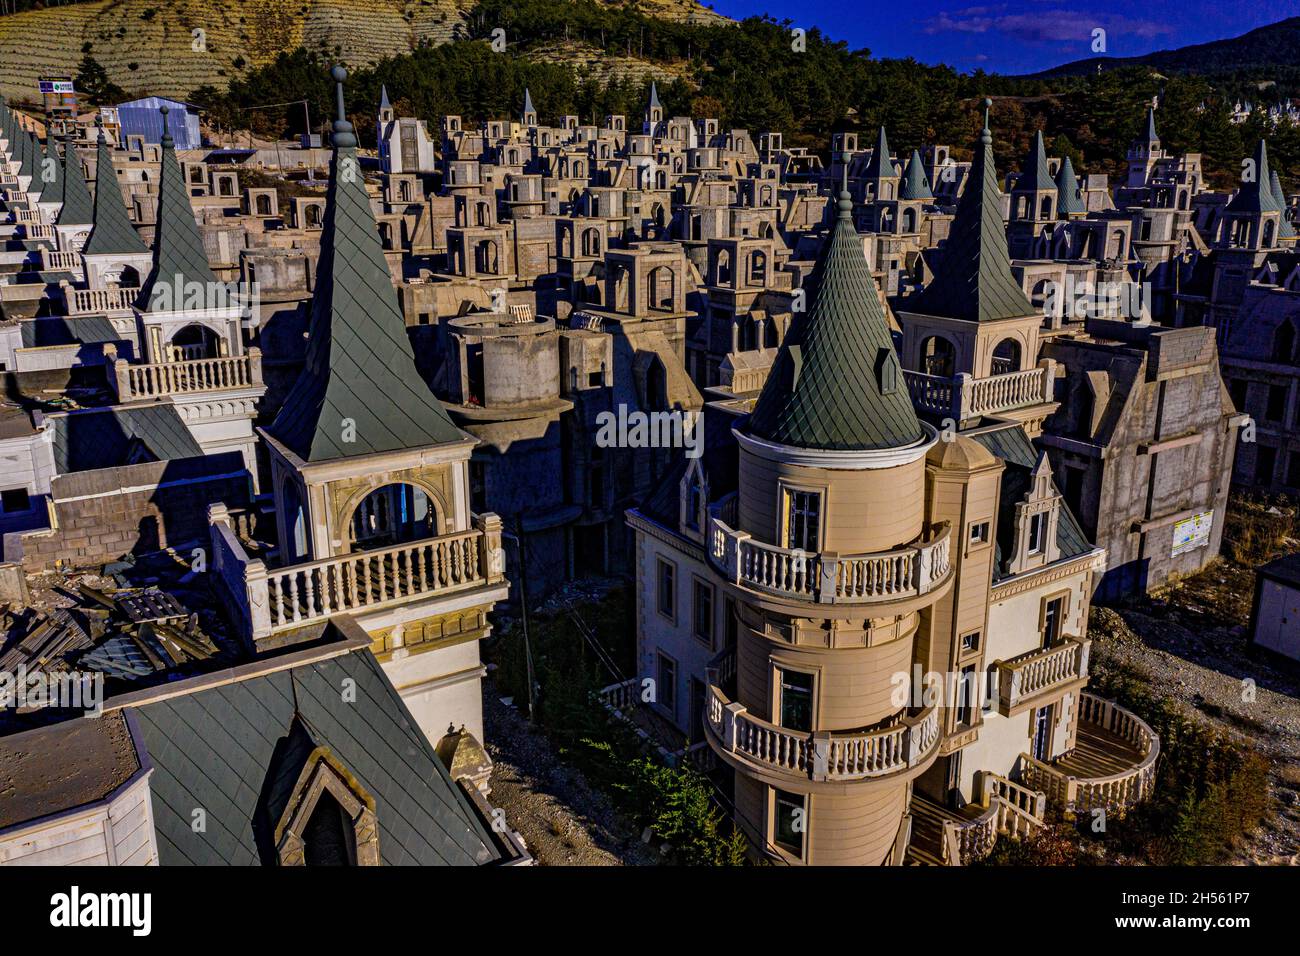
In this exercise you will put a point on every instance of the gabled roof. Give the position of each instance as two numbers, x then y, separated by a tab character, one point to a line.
1035	174
360	376
77	208
107	438
178	255
825	388
1257	194
1069	197
915	185
973	278
880	166
233	749
113	232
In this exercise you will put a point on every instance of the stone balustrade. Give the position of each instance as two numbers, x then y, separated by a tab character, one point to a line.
55	260
1115	793
827	577
1040	671
94	301
160	379
297	595
1020	810
963	397
821	755
34	230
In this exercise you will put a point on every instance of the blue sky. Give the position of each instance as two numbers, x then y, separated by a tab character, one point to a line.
1018	37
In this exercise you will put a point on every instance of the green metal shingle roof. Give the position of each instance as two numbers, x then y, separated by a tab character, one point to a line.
235	751
1036	175
1069	198
113	232
53	190
1257	194
1287	230
359	365
915	185
824	390
880	166
973	278
178	255
85	441
77	208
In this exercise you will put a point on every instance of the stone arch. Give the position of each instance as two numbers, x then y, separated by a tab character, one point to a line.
194	341
392	514
663	288
938	356
1006	356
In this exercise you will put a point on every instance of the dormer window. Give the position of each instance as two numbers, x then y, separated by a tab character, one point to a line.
1037	532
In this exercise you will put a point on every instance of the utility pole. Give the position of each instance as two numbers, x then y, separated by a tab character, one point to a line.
523	606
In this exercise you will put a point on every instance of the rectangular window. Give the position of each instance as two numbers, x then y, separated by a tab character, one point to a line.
789	823
1053	621
803	519
796	703
971	641
1237	390
703	628
14	500
979	533
1037	527
666	684
667	590
1276	409
966	694
1265	464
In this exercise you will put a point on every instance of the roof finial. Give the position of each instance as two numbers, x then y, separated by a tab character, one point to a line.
986	137
343	137
846	200
166	141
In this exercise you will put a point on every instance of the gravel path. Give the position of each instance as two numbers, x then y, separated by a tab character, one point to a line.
562	819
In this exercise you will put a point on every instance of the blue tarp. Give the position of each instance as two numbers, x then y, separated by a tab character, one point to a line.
141	118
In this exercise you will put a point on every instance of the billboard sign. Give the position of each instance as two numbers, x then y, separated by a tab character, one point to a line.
56	86
1192	533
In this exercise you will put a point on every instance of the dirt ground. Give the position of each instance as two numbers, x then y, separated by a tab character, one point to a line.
1190	641
562	819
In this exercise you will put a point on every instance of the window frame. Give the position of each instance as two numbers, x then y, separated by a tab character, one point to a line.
662	564
701	586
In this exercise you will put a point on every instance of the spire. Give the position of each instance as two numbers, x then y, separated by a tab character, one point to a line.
51	191
1035	175
915	185
113	232
837	383
1069	198
880	166
528	102
77	205
1151	125
178	256
1287	230
973	279
383	98
1257	194
654	96
359	392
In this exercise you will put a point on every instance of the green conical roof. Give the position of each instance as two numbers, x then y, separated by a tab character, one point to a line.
178	256
77	205
973	279
1069	197
880	166
26	153
1288	230
113	232
915	185
836	384
1257	195
1035	175
53	190
1151	125
359	379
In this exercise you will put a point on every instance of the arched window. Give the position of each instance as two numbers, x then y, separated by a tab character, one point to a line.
393	514
938	357
724	267
1006	357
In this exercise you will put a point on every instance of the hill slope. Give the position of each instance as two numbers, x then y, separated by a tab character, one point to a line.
1274	45
146	46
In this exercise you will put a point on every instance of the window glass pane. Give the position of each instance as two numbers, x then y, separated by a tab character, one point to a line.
790	824
796	700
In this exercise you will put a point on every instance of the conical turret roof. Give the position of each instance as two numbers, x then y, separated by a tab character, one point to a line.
1035	175
836	384
915	185
359	381
51	169
113	232
1257	194
1069	198
973	279
77	206
880	166
1288	230
178	256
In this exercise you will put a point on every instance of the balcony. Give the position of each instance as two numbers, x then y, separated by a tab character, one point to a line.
53	260
1039	674
827	577
962	397
271	601
834	756
1112	766
142	382
98	301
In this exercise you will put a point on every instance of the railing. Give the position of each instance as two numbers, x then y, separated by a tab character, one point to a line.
137	382
962	397
1116	793
822	755
35	230
54	260
28	217
1020	810
965	841
1045	669
621	696
826	577
85	301
362	581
